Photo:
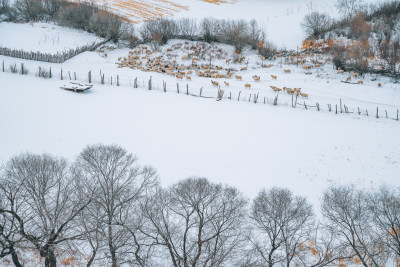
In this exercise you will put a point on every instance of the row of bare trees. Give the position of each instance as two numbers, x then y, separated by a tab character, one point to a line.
238	33
109	208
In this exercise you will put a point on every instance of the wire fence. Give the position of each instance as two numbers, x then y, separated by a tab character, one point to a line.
182	88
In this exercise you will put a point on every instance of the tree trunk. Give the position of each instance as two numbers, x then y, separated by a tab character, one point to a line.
14	257
50	260
91	258
111	246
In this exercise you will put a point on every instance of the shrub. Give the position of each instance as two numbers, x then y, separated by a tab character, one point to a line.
29	10
166	28
266	49
51	7
360	29
76	15
13	68
106	25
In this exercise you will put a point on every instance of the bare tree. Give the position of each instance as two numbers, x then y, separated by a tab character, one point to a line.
10	238
322	249
188	28
30	10
45	205
389	51
316	24
385	207
198	223
349	8
346	214
282	223
117	183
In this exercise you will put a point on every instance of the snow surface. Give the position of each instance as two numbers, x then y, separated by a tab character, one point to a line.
43	37
243	144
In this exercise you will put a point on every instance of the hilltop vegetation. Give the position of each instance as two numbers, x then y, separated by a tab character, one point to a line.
365	39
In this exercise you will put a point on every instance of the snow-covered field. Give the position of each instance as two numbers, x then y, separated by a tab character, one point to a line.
246	145
43	37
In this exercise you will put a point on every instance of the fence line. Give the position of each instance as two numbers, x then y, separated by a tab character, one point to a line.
60	57
253	97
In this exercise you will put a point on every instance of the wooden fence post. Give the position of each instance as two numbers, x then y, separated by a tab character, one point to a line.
397	117
239	95
50	73
177	87
117	80
90	76
377	113
187	89
3	65
74	75
62	75
149	85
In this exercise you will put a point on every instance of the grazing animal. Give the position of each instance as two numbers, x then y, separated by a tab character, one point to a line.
379	84
340	71
215	83
188	78
256	78
243	69
228	60
355	75
276	89
179	77
247	85
274	77
287	71
360	82
239	78
289	91
303	95
226	83
348	79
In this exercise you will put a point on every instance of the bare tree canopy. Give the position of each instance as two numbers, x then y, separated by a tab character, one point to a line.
316	24
41	197
117	184
282	223
198	223
346	211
